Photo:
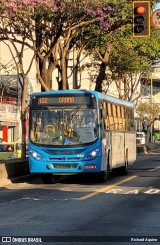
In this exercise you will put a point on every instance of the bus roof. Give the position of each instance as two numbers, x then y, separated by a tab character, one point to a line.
98	95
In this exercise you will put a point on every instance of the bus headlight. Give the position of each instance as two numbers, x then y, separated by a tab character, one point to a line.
92	154
36	156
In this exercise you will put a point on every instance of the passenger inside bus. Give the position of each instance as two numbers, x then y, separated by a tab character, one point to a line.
88	122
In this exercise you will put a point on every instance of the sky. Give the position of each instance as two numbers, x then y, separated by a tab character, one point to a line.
158	6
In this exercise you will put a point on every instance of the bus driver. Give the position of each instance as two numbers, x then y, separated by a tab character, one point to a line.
88	122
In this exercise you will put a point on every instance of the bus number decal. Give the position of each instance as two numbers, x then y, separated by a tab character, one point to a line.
66	100
43	100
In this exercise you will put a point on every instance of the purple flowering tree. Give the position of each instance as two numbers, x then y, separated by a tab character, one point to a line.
49	28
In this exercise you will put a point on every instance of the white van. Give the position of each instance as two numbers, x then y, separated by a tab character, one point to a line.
140	138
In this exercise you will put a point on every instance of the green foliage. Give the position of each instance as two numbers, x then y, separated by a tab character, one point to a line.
92	24
148	110
128	55
50	28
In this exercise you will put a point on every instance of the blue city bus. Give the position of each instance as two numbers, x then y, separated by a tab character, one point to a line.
62	141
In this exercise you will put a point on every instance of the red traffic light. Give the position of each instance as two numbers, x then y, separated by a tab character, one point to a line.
141	9
141	18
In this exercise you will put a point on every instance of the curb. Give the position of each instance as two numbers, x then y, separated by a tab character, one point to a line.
145	149
17	179
13	169
21	178
141	150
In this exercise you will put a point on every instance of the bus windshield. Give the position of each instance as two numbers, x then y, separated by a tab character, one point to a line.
63	126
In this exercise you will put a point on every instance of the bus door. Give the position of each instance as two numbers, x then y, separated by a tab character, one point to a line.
118	149
118	138
104	135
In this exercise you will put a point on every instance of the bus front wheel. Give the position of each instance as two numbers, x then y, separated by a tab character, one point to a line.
47	178
124	169
105	175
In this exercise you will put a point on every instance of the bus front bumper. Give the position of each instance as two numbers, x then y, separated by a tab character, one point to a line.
65	167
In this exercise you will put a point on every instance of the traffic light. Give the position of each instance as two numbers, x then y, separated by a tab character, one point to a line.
141	18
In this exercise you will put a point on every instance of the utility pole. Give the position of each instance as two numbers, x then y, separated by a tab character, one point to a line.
152	107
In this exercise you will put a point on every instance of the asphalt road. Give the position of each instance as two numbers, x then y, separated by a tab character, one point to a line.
78	209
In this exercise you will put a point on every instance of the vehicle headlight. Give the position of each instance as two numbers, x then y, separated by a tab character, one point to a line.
92	154
36	155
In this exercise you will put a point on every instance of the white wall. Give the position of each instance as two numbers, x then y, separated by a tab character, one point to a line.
6	59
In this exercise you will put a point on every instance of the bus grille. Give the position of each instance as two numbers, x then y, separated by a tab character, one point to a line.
64	165
64	152
66	159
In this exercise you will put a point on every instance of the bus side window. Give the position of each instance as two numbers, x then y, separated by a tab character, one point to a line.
123	118
115	115
132	120
111	123
102	119
119	117
107	123
128	121
110	118
105	116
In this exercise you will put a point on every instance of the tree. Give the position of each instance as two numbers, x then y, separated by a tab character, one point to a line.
148	111
131	60
22	73
100	41
52	28
126	57
49	29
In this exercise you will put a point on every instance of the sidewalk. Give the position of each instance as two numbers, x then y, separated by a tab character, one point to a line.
14	168
143	149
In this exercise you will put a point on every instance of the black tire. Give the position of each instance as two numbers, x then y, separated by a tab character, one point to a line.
102	176
124	169
109	165
105	175
47	178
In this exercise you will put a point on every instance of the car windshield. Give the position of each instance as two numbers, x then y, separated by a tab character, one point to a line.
58	126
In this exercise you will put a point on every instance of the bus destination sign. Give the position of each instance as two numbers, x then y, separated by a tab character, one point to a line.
61	100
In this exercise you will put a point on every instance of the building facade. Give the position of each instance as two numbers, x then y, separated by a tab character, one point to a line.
10	106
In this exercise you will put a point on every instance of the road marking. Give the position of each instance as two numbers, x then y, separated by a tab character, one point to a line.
133	191
31	198
153	169
107	188
152	191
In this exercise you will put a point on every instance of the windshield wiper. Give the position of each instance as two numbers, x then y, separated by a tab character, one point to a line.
74	113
